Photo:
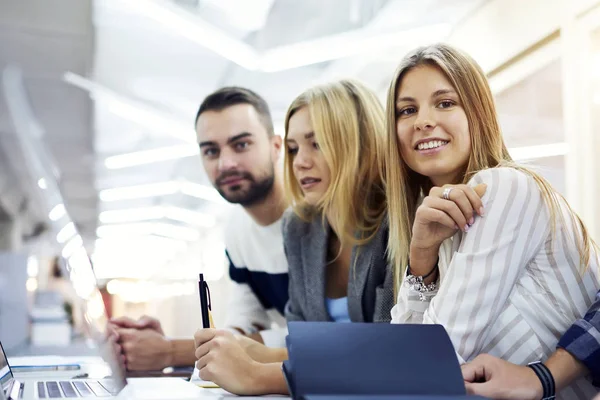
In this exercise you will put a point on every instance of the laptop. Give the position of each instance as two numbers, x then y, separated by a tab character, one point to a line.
14	389
113	386
116	385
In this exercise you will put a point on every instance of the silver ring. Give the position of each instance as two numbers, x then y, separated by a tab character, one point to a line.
446	193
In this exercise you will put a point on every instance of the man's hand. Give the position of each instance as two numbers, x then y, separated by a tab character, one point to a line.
222	360
144	322
145	349
111	346
498	379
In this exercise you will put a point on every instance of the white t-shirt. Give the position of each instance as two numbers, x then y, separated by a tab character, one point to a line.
259	273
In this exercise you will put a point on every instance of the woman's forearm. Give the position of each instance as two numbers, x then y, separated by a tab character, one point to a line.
423	261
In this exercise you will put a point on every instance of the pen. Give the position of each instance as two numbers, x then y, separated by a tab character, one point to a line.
207	321
205	305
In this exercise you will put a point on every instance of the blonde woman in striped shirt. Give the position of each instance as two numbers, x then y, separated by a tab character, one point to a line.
507	273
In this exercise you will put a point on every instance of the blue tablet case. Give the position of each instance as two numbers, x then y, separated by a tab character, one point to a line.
404	361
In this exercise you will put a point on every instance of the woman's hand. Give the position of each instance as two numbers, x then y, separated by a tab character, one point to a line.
222	360
438	218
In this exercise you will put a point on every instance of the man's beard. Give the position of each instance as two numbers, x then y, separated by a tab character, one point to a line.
256	192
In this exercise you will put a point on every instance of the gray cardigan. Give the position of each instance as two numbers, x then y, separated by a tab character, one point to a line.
370	284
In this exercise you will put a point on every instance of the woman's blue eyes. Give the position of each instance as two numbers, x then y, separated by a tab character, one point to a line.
411	110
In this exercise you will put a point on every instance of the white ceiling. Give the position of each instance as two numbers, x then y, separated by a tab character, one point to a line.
111	77
163	64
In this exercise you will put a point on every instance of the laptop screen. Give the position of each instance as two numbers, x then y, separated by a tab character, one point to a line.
81	275
6	376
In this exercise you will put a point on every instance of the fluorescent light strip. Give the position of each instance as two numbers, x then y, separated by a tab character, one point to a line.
57	212
541	151
292	56
140	191
113	247
197	30
345	45
201	192
143	115
158	212
190	217
131	215
71	246
150	156
148	228
66	233
161	189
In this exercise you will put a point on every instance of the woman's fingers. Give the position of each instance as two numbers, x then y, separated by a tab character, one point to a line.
431	213
467	198
474	194
451	209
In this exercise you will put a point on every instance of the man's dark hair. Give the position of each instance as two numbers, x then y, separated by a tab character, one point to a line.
233	95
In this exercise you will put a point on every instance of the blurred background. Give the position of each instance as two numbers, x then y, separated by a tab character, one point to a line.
98	154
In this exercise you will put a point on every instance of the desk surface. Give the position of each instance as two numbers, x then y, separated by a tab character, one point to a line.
96	368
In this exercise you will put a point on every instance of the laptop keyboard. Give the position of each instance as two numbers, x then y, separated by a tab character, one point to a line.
71	389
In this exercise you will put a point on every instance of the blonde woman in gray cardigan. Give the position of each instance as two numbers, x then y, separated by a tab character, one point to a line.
335	239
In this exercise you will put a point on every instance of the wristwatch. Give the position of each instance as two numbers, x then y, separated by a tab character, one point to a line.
546	378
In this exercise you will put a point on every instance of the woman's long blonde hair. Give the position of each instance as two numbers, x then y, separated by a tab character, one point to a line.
349	125
404	186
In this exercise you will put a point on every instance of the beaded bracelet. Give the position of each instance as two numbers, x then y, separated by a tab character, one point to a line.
417	283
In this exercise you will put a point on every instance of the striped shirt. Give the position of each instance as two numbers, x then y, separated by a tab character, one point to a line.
509	287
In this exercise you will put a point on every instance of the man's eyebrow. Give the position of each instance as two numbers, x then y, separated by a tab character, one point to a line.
238	137
229	141
207	143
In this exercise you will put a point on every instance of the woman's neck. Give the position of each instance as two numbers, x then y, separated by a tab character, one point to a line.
452	178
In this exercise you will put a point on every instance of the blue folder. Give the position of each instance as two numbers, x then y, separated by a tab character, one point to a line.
330	360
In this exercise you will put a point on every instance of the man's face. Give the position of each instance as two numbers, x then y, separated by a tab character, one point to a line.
238	155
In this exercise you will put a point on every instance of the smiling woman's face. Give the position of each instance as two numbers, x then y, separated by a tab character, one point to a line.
431	124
